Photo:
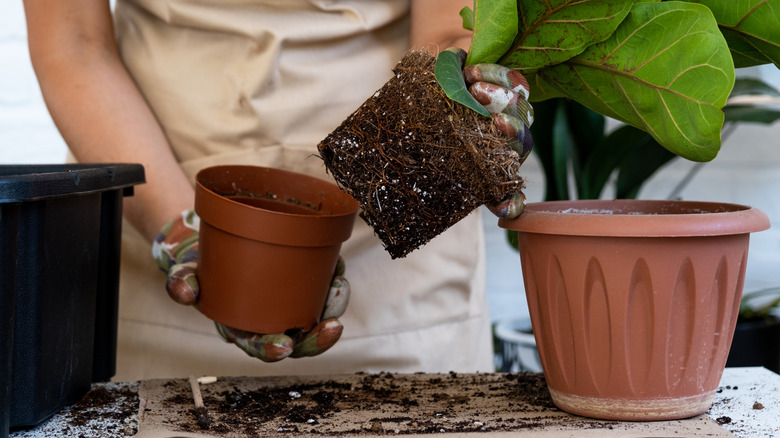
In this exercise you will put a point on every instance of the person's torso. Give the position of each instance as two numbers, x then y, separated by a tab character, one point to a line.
262	81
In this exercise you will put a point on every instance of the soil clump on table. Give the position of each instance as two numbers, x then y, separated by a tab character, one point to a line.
416	161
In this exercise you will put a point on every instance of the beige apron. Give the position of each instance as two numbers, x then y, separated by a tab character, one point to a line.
262	82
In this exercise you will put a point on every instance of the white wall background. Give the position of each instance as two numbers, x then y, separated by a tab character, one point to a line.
746	171
27	134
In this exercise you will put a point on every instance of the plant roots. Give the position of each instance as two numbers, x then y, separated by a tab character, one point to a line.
416	161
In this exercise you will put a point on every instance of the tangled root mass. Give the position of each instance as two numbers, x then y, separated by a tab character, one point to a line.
416	161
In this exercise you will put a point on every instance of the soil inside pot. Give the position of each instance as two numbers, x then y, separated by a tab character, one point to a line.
416	161
292	206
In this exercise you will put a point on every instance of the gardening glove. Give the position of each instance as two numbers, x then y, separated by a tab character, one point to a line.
175	249
504	93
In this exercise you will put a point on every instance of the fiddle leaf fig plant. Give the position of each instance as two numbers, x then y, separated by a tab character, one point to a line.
551	33
494	26
582	159
418	164
751	28
664	67
447	71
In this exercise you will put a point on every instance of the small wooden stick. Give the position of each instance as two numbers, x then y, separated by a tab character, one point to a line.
201	413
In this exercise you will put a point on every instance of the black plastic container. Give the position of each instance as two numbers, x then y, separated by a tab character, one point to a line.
756	343
60	237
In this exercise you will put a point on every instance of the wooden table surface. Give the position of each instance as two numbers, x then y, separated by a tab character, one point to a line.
747	404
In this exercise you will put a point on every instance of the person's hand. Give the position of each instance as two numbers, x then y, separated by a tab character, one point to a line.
175	249
504	93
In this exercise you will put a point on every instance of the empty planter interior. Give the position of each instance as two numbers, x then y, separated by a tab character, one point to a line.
269	244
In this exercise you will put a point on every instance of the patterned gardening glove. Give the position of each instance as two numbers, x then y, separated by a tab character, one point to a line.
504	93
175	249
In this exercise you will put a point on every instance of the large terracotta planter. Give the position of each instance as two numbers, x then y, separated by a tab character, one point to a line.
269	243
633	303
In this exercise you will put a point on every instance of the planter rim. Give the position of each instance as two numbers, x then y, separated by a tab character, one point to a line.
244	220
638	218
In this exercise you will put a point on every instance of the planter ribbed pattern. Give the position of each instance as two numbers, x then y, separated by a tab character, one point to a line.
634	303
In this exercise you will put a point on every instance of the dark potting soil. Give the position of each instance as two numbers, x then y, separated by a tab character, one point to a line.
370	404
347	405
108	410
416	161
291	206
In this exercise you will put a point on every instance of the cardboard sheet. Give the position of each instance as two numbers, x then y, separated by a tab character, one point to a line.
461	405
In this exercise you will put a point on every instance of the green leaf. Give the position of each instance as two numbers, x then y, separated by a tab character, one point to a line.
751	27
553	31
495	27
541	89
753	87
586	128
751	114
449	74
607	156
666	70
638	167
561	152
468	18
550	145
511	238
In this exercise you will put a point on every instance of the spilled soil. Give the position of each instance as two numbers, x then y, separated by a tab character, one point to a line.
367	404
108	410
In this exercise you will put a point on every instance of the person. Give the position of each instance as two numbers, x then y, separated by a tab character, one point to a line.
179	86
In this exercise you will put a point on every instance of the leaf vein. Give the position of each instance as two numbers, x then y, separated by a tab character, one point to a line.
549	11
633	107
593	93
677	125
667	48
613	72
750	12
634	32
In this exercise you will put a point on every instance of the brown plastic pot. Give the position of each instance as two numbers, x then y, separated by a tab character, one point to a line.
633	303
269	243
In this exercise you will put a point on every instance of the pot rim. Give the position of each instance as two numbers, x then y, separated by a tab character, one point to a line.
277	227
638	218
